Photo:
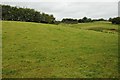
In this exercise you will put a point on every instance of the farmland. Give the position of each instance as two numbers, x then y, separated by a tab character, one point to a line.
36	50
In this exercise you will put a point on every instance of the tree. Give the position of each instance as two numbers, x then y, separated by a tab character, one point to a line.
116	20
110	19
69	20
80	21
85	20
25	14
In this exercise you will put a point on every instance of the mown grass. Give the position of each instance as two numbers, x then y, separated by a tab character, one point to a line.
34	50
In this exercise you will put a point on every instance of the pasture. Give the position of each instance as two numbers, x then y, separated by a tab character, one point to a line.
36	50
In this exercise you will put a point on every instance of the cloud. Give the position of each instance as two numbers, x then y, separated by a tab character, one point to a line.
73	9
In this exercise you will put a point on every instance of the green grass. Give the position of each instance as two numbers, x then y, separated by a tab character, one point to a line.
33	50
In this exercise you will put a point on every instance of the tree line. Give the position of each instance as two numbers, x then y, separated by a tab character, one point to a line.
115	20
25	14
83	20
31	15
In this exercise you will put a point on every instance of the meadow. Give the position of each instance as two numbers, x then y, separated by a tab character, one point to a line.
36	50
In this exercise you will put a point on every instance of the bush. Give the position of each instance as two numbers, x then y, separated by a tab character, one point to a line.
85	20
57	22
116	20
70	21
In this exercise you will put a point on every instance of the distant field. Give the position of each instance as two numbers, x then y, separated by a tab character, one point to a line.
34	50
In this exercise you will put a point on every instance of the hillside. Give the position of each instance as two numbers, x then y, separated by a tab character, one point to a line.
65	50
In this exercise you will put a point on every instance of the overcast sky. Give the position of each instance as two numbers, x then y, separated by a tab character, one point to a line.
77	10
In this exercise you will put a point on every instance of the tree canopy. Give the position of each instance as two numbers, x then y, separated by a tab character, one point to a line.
69	20
25	14
115	20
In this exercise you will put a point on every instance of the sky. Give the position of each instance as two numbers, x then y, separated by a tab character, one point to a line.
72	9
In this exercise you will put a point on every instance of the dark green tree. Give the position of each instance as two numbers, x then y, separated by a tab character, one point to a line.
25	14
116	20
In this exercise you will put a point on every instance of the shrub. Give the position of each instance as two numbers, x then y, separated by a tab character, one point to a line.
70	21
116	20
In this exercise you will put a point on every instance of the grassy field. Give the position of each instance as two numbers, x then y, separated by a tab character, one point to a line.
34	50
